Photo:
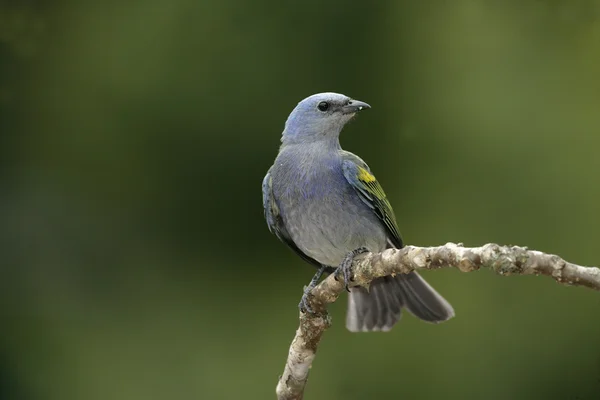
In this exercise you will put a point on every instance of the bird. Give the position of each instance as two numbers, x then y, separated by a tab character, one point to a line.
328	207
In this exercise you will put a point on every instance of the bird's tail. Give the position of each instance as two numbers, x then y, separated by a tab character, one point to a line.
379	308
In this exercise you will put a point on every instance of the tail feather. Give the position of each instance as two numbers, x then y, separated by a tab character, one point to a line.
380	307
376	309
422	300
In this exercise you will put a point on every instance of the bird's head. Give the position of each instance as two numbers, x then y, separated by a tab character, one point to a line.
320	117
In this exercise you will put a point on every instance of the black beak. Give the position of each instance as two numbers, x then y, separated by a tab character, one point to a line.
354	106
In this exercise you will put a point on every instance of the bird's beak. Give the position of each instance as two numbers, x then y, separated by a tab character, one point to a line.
354	106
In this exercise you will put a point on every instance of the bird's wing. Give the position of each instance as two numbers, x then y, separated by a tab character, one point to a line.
275	222
359	175
269	206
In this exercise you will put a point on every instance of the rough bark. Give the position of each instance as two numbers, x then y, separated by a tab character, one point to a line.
503	260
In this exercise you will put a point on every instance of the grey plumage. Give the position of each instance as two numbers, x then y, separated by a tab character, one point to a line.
324	202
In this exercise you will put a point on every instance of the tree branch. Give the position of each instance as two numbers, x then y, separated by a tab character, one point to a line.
504	260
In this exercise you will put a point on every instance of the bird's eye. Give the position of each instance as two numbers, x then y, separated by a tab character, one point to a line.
323	106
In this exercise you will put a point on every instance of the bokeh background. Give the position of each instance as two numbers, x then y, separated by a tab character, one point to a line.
134	259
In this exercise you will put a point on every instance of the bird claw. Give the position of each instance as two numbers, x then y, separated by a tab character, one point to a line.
345	268
304	304
346	272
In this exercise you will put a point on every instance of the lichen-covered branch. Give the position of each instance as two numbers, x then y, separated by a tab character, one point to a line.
504	260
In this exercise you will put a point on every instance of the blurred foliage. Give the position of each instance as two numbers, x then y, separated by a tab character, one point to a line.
133	140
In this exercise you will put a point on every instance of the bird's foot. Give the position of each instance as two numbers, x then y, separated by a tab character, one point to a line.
345	268
304	304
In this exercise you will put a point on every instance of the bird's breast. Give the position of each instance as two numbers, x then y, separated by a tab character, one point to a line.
325	217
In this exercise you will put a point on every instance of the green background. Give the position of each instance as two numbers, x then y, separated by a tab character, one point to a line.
135	262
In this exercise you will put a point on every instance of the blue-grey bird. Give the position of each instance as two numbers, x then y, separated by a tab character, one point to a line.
326	205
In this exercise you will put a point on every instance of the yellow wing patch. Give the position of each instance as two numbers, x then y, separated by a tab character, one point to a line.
365	176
